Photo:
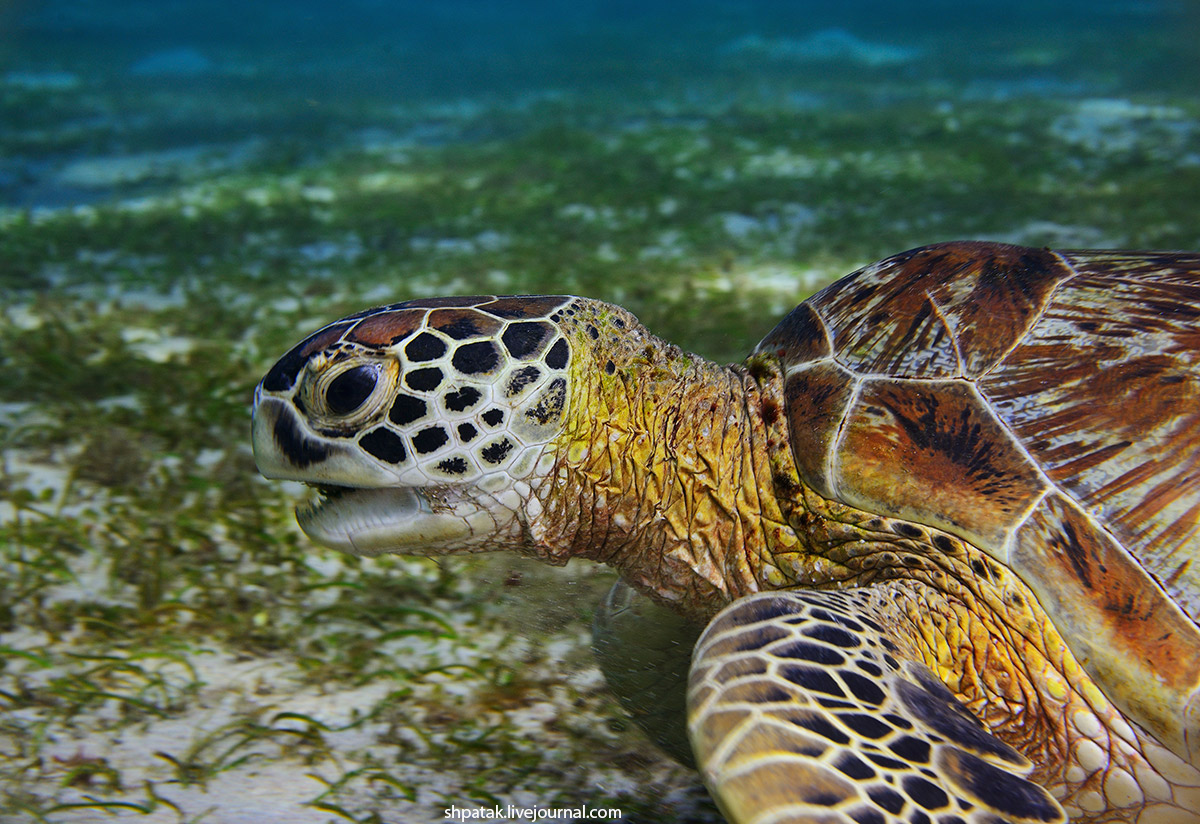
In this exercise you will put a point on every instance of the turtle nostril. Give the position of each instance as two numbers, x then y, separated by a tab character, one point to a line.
349	390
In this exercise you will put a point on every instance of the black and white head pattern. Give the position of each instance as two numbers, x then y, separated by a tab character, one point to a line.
432	391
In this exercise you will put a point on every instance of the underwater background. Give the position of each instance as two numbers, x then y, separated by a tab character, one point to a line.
187	188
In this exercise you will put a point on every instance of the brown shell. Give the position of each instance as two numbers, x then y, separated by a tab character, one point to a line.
1044	406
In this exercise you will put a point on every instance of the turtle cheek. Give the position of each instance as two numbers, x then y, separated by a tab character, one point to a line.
281	449
285	448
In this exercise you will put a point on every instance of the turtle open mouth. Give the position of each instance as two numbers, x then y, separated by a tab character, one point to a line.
326	491
374	520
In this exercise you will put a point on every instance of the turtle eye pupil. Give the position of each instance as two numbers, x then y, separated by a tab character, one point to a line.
349	390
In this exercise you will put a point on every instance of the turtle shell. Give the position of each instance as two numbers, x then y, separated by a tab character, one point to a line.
1044	406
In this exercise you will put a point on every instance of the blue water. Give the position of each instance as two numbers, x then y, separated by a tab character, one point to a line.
103	79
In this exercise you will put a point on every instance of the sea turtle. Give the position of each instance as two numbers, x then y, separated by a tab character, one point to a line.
941	524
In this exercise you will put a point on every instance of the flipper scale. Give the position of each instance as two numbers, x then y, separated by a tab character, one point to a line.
803	710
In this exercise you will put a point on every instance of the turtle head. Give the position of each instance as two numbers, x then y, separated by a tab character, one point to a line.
426	427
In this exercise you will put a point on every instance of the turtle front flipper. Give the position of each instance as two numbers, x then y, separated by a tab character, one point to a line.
802	709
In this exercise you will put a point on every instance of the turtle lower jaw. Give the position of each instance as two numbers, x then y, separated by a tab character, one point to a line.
377	520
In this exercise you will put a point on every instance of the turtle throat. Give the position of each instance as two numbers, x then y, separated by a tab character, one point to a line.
673	466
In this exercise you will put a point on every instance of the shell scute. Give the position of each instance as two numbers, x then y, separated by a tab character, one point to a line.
1123	627
1104	391
950	310
800	337
952	451
817	397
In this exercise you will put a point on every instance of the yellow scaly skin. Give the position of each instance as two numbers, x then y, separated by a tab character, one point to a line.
660	467
678	472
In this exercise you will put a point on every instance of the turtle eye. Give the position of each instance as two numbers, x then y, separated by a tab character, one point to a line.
350	390
342	392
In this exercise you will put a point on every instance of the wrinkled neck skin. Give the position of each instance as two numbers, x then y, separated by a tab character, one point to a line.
671	469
